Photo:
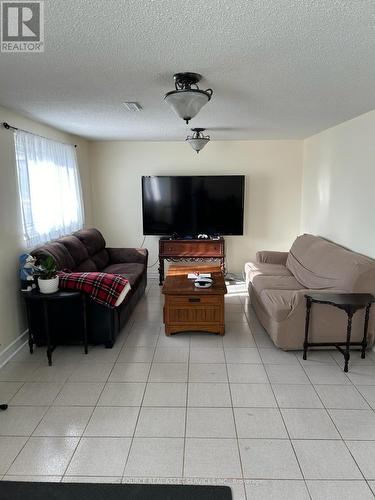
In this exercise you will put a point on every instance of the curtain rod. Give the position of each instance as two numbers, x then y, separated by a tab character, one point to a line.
8	127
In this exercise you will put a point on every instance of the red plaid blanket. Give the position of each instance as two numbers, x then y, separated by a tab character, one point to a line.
104	288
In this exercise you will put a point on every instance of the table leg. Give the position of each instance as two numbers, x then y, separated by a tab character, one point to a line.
222	265
46	327
364	341
31	339
307	324
84	323
161	271
348	335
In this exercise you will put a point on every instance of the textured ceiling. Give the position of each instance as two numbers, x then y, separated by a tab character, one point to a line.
279	68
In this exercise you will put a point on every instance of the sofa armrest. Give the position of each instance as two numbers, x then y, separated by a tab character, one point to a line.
269	257
134	255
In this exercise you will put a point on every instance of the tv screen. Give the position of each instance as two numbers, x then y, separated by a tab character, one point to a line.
192	205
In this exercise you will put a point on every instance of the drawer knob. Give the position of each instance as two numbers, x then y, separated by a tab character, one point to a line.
194	299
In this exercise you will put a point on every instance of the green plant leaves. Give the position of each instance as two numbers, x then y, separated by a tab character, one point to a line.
47	268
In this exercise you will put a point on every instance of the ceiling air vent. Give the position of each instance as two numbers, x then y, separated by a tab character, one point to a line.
133	106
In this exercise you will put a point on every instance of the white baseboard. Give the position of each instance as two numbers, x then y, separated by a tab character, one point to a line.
153	275
13	348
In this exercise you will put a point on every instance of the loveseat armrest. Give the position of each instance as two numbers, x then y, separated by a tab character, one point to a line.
122	255
270	257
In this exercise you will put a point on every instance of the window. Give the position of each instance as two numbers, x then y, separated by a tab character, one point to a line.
49	186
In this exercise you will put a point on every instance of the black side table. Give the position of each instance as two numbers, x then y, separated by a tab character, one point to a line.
348	302
46	299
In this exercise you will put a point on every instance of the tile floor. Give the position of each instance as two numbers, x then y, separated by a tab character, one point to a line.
193	408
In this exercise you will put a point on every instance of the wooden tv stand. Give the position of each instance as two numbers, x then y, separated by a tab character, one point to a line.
184	250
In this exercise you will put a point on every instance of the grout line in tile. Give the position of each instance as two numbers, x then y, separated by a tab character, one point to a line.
27	440
337	429
186	410
18	390
366	400
88	421
234	420
139	412
287	431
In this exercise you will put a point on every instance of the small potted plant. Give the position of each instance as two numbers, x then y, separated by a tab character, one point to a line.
48	280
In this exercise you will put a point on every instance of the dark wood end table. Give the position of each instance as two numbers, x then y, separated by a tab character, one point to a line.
348	302
46	299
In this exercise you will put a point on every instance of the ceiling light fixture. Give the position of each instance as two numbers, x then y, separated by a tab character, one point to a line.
188	99
198	140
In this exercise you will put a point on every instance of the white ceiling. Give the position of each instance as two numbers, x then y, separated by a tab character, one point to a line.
279	68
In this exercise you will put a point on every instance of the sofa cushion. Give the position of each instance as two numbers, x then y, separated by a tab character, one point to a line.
253	269
263	282
76	249
86	266
278	303
92	239
94	244
59	253
132	272
319	264
101	259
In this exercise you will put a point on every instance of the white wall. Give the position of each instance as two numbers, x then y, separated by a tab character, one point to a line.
12	321
338	193
273	172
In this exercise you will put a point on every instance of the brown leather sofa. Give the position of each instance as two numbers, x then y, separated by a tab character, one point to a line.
278	281
86	251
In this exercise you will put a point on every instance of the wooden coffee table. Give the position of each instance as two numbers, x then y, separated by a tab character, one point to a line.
187	308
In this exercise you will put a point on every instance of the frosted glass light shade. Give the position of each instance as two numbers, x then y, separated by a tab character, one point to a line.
187	103
198	144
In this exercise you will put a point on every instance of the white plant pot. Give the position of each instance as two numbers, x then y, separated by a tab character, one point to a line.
48	286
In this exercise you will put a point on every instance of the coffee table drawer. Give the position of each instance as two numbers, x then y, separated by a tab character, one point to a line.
191	300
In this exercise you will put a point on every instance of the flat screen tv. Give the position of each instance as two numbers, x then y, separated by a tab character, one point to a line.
193	205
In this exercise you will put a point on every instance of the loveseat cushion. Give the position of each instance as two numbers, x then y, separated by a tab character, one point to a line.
264	282
253	269
319	264
278	303
131	271
272	257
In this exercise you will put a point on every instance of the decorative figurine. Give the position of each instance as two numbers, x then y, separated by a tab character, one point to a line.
27	268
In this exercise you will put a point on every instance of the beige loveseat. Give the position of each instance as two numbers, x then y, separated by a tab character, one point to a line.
278	282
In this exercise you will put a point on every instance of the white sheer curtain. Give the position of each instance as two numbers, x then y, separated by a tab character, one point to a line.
49	186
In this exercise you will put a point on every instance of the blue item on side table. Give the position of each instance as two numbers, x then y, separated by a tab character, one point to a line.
27	268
